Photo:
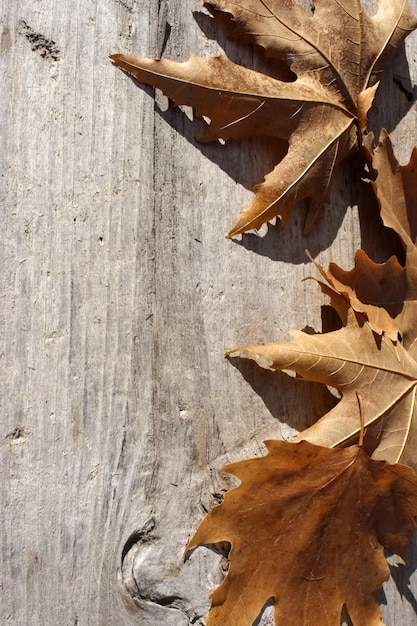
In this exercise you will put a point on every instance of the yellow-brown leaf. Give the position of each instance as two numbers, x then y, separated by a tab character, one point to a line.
307	528
354	359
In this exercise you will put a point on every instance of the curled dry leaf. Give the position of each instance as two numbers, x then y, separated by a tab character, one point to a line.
352	359
387	292
337	56
307	526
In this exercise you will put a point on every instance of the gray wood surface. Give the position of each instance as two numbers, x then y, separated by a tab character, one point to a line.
120	295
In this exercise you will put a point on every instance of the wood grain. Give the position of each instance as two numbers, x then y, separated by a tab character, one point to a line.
120	297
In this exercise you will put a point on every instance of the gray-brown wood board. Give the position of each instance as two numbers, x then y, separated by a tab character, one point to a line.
120	295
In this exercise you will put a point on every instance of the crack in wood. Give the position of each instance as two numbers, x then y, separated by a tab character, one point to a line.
139	536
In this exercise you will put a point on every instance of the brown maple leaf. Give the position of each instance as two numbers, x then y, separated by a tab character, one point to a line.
353	359
307	526
387	292
337	56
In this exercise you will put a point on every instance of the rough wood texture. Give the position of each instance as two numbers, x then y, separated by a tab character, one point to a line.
121	295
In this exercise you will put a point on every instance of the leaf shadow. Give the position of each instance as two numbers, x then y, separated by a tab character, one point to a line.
221	28
395	94
284	395
266	609
290	244
401	574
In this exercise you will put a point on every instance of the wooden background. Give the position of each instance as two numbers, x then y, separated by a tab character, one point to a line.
120	295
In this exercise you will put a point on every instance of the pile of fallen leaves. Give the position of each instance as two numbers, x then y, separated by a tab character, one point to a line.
347	486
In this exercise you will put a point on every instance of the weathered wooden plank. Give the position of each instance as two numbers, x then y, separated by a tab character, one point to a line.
121	295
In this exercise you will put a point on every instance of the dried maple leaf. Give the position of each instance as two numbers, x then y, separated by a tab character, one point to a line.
337	56
352	359
307	526
387	292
